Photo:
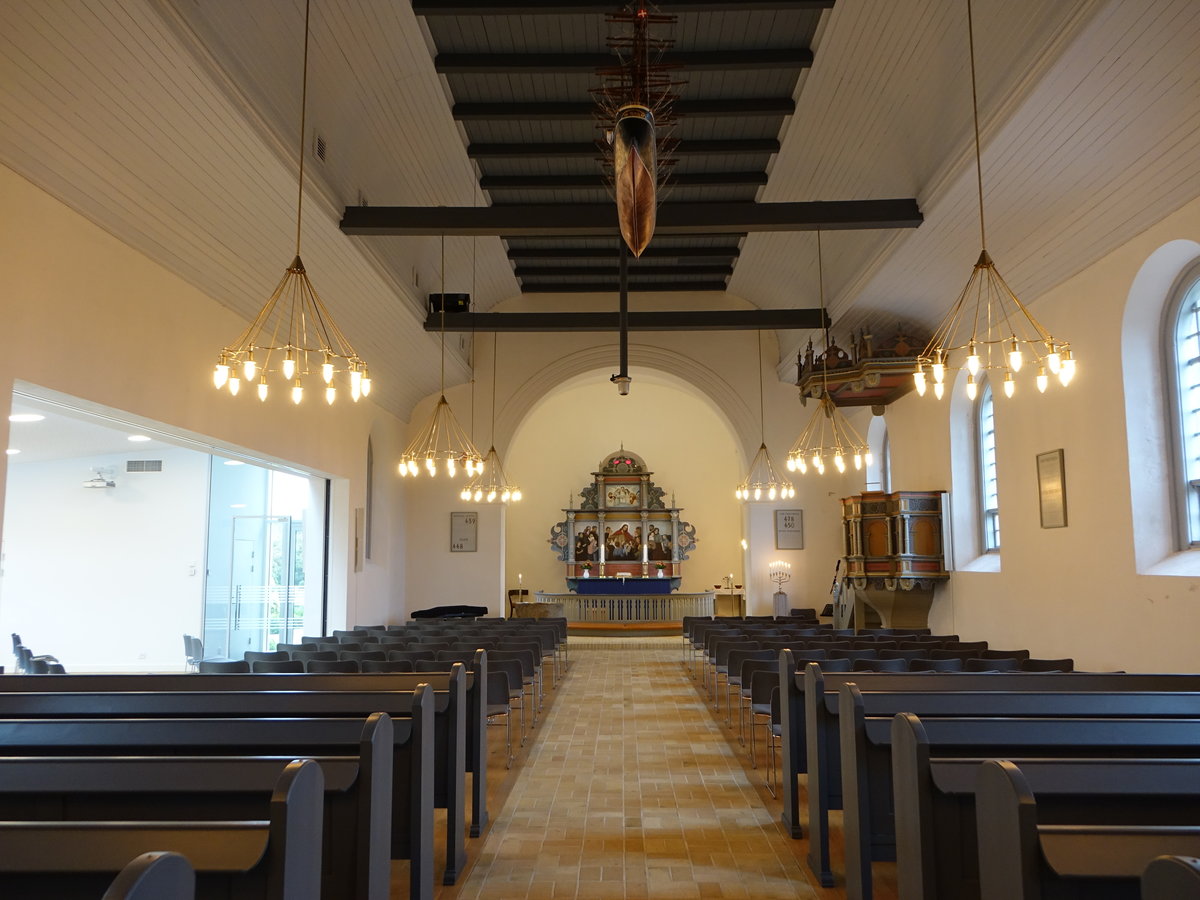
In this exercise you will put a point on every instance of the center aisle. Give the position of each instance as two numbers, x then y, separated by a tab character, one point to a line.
632	791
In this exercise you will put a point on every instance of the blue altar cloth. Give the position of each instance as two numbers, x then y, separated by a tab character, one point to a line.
652	585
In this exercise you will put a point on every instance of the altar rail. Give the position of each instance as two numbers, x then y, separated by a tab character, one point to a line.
630	607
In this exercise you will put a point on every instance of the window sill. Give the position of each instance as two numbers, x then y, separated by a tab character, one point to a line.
1182	563
988	562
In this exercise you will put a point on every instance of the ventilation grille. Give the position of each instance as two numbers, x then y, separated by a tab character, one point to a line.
143	465
320	147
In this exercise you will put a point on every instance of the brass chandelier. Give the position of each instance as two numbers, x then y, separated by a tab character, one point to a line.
762	481
829	434
491	484
442	439
987	322
293	334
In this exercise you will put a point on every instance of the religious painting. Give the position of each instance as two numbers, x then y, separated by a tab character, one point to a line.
658	543
623	495
587	544
623	542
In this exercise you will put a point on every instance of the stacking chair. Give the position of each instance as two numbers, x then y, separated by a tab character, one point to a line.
853	655
498	703
363	655
733	679
347	636
324	666
992	665
306	656
290	647
266	656
308	639
276	665
905	655
1003	654
516	688
410	655
1048	665
536	651
953	664
748	670
218	666
386	665
190	659
880	665
529	674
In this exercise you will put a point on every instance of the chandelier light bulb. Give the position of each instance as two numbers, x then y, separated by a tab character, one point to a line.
919	378
801	465
412	467
1010	386
972	388
758	493
771	493
858	462
791	464
506	496
355	384
939	372
262	387
973	360
220	375
249	368
430	465
478	495
1042	380
1067	371
491	497
450	469
816	460
465	494
289	367
330	394
869	458
516	496
839	462
327	370
366	386
939	389
1053	360
235	385
1015	357
297	392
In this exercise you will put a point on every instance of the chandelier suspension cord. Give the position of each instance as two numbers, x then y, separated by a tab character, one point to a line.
443	316
824	321
975	114
303	114
495	355
762	420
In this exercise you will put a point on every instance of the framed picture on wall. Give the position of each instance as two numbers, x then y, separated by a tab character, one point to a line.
789	529
1052	489
464	532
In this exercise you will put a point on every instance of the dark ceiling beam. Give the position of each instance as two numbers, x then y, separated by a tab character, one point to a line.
524	272
585	150
610	287
651	252
585	180
567	7
658	320
567	110
548	63
567	219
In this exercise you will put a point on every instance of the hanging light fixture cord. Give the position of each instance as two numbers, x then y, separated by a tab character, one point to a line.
303	124
762	418
975	114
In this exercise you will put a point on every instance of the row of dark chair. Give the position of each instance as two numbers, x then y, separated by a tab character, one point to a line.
27	663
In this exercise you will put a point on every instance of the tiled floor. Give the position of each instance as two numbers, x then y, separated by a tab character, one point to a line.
633	789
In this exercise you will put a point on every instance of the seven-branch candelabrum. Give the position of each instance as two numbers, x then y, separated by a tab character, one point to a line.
780	573
829	437
990	330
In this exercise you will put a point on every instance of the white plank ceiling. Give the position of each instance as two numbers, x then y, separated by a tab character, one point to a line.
174	125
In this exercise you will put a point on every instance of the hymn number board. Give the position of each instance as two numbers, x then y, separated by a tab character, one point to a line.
464	532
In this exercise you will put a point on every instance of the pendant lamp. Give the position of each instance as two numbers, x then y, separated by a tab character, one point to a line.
762	481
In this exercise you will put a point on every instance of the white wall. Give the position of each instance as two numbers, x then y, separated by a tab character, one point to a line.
86	316
106	579
1071	591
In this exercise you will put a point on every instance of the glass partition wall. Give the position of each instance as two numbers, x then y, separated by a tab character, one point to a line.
120	538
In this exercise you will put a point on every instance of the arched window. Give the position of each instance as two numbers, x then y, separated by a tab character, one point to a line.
1183	335
989	503
879	470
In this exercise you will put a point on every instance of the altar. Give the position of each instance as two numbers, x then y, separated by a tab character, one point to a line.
622	585
630	608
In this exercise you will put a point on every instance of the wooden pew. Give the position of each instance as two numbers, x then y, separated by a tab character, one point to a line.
244	695
1021	858
276	859
936	844
411	757
357	807
476	718
1172	878
811	742
866	753
158	875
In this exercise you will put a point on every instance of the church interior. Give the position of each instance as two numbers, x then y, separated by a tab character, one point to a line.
828	173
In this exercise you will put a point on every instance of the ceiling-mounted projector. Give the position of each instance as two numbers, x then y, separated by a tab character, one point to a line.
99	482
